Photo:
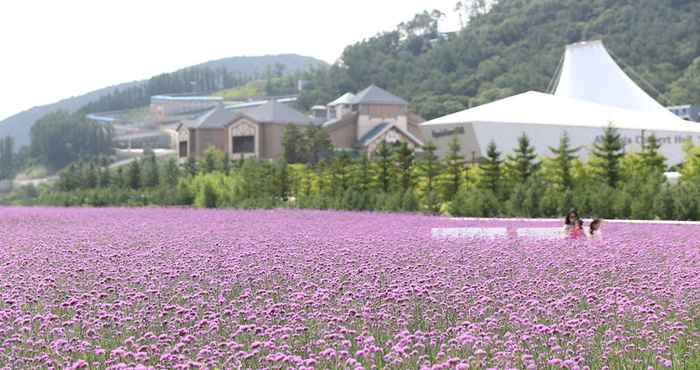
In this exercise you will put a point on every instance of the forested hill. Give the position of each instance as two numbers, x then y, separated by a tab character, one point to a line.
516	46
226	72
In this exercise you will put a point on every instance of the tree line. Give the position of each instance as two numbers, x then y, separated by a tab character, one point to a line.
195	80
61	137
611	184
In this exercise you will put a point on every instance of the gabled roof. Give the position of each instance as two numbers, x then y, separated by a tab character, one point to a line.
380	129
344	99
276	112
376	95
544	109
217	117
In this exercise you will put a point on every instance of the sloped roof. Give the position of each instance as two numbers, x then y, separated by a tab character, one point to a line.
346	118
344	99
377	95
217	117
276	112
590	73
544	109
380	129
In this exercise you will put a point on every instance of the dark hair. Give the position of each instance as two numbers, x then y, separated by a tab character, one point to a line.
566	218
579	222
595	222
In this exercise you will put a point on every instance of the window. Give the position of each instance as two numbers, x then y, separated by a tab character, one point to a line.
183	149
244	144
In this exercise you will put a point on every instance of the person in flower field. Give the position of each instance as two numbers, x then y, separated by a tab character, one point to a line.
595	232
578	232
570	223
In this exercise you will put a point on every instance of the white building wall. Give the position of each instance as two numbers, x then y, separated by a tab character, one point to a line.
476	137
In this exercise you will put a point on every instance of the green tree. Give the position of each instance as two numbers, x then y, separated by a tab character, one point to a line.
454	164
171	173
652	160
105	178
293	144
522	162
90	176
191	166
318	144
607	155
384	161
491	169
364	173
404	160
133	175
429	168
282	182
213	157
564	154
151	176
7	158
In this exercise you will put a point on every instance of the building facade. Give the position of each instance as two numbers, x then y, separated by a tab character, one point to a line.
363	120
687	112
255	132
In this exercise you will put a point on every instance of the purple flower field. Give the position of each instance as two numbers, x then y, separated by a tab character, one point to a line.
280	289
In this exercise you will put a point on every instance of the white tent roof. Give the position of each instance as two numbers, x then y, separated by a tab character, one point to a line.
589	73
544	109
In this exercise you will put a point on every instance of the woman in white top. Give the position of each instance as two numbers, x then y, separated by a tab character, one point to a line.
569	223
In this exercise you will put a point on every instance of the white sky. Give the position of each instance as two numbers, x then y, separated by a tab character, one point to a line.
52	50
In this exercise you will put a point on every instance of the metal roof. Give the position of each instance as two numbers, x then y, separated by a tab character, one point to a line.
186	98
276	112
217	117
377	95
381	128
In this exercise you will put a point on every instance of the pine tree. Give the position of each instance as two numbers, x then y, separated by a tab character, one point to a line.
151	177
454	163
292	144
563	156
429	166
523	161
491	168
210	160
171	173
281	180
404	160
339	173
364	173
90	176
652	161
607	156
384	162
133	175
226	165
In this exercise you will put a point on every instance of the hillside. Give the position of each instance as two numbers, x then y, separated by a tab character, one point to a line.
516	46
19	125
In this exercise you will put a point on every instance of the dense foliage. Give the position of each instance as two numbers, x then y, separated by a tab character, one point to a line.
8	158
396	178
60	138
516	46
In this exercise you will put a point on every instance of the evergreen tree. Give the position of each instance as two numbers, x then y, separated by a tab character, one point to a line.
404	161
292	144
171	173
429	167
118	180
69	179
105	178
454	163
191	166
281	180
226	165
522	162
607	155
652	160
339	172
90	176
151	177
7	158
563	156
491	168
384	162
364	173
318	144
210	160
133	175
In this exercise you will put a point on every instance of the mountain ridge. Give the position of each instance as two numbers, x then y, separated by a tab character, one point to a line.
19	125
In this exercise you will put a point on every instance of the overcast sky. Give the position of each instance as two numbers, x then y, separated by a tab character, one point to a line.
56	49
